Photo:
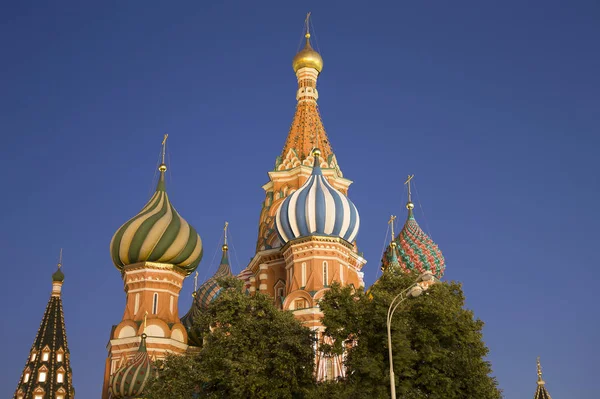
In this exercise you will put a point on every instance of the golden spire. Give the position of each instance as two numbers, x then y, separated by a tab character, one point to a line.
409	204
391	223
307	57
163	165
539	372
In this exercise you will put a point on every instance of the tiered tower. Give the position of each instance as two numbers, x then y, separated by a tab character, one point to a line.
154	251
307	225
541	392
47	373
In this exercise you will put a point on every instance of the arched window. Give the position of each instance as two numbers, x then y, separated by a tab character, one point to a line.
26	377
303	274
136	307
60	377
325	274
155	303
42	374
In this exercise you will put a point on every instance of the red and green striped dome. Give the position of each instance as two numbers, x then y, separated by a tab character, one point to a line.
413	250
130	380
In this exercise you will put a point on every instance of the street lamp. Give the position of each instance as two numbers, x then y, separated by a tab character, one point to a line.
411	292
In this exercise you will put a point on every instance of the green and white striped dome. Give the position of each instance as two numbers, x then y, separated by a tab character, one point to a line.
157	234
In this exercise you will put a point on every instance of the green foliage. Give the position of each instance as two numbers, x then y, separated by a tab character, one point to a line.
437	344
250	349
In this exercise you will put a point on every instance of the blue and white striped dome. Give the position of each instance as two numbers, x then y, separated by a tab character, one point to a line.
317	208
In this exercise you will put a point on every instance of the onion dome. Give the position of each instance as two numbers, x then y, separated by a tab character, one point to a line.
157	234
210	289
317	208
204	295
130	380
58	276
414	250
308	58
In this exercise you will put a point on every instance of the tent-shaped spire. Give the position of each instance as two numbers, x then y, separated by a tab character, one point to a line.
47	371
306	132
541	392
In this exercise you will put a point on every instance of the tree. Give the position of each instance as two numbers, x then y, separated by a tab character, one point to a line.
437	343
250	349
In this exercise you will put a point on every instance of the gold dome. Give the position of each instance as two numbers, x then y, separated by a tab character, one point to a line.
308	58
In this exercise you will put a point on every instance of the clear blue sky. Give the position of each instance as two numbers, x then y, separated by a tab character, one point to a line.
492	105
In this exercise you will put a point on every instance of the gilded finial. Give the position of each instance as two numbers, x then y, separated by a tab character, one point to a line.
539	372
195	283
307	57
163	165
145	321
60	259
409	204
391	223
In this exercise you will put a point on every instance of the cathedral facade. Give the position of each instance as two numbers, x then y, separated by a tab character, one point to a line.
307	232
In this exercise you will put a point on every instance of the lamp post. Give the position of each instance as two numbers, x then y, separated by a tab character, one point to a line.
411	292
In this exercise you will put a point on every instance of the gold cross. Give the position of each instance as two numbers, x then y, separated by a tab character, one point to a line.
307	25
60	259
164	146
225	230
391	222
196	281
145	316
539	369
407	182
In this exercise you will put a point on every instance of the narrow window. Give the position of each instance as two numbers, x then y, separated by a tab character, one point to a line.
60	378
45	356
171	304
26	378
325	273
137	303
60	396
59	357
155	304
341	273
20	396
38	396
33	356
42	376
303	274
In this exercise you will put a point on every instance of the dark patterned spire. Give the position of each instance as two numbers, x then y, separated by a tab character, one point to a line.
47	373
541	391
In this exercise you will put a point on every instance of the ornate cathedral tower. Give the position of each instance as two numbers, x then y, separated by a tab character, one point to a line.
307	225
47	373
154	251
